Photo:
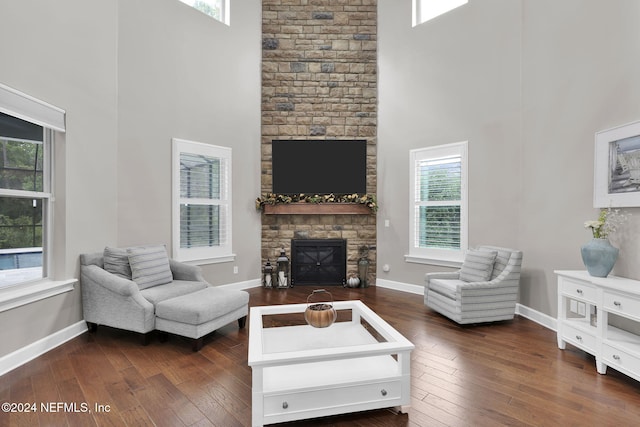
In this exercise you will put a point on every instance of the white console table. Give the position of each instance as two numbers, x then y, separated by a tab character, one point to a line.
584	305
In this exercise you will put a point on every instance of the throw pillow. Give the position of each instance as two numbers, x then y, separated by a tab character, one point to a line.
116	261
477	265
149	266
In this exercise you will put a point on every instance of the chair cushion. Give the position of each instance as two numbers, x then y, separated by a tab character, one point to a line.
116	261
477	265
445	287
174	289
202	306
149	266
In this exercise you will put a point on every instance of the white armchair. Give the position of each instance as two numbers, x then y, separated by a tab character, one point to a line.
463	298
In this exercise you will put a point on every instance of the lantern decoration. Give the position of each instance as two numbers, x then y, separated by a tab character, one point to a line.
282	267
267	275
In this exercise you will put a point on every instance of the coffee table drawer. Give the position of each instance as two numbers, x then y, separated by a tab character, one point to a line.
331	397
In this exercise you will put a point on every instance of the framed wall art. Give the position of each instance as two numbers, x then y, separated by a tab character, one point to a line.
617	167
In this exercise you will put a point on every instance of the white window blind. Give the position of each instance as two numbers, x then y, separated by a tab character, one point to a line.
438	205
202	217
438	201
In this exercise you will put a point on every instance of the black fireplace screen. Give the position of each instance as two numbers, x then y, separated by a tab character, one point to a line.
318	261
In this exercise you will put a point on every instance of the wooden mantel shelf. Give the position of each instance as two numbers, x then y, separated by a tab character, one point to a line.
317	209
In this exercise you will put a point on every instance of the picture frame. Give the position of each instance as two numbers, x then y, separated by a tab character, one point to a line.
617	167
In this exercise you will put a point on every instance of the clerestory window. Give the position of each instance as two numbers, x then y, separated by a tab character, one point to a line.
217	9
425	10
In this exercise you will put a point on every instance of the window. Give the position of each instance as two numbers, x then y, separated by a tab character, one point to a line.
26	141
202	202
425	10
438	212
217	9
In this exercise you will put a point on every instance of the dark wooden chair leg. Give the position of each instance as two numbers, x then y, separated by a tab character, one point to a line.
146	338
197	343
93	327
242	322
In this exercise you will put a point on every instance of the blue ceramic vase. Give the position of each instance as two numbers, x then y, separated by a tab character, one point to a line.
599	257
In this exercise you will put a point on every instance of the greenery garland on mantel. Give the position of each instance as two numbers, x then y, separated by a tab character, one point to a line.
277	199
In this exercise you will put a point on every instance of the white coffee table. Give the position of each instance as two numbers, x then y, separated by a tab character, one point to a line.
303	372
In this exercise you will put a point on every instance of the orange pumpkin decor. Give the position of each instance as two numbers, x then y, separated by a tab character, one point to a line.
320	315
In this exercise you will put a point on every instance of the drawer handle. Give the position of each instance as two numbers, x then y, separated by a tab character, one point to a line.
578	337
617	303
616	357
285	405
579	291
383	392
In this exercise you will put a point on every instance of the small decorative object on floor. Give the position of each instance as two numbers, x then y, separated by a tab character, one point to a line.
363	265
267	275
282	266
320	315
353	282
598	255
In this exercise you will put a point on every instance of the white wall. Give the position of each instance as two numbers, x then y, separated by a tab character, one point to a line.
131	75
64	53
454	79
182	74
528	83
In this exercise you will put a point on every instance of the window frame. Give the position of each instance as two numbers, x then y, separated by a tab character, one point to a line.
211	254
444	257
52	118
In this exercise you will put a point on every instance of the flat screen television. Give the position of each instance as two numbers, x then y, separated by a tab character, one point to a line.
319	166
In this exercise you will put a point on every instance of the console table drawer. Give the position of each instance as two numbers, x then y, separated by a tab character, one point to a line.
577	289
620	360
331	397
579	338
621	304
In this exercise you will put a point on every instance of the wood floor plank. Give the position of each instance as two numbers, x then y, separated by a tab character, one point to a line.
508	373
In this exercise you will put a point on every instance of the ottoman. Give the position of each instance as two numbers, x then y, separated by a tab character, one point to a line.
199	313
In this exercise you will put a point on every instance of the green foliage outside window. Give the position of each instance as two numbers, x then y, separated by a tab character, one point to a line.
439	223
21	168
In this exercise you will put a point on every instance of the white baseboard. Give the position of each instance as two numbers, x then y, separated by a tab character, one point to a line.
536	316
33	350
247	284
399	286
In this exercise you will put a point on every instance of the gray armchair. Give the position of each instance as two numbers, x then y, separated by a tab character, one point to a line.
111	300
464	301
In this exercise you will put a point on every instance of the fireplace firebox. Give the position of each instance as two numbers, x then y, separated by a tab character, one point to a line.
318	261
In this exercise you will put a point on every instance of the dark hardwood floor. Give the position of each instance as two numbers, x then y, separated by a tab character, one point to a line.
509	373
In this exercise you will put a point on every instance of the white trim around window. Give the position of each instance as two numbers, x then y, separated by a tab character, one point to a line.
423	248
201	211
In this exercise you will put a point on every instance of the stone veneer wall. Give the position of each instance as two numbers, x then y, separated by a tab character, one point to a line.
319	81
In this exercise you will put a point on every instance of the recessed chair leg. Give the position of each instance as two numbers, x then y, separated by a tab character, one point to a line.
146	338
242	322
197	343
92	327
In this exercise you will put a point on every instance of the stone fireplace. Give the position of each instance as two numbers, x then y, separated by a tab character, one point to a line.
319	82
